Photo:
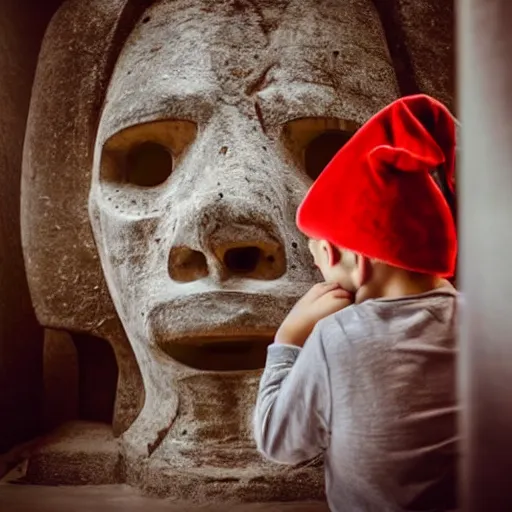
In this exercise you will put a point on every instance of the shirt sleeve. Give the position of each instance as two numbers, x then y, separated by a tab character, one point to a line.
292	416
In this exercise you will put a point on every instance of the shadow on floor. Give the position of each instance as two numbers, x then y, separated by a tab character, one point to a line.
109	498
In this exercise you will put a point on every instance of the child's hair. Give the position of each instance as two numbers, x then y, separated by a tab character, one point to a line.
439	176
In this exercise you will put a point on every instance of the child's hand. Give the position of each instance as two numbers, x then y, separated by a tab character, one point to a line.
320	301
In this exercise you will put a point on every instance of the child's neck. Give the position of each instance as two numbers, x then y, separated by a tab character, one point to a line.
397	283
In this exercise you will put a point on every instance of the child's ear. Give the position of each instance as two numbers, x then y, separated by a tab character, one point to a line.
363	270
332	253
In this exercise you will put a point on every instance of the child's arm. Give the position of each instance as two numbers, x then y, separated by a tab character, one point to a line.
292	416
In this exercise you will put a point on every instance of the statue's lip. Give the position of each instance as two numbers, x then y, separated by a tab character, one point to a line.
211	301
217	318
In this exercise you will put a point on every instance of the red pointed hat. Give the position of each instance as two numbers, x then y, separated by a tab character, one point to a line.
377	196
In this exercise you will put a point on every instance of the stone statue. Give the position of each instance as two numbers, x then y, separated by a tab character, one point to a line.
167	148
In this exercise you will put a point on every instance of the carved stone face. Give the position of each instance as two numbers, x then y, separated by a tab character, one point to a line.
216	120
202	158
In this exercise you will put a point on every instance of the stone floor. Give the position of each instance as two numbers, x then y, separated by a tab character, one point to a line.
109	498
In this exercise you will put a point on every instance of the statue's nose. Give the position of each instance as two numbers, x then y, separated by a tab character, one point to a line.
243	258
228	246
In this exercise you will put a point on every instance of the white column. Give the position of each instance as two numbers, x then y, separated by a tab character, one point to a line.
485	220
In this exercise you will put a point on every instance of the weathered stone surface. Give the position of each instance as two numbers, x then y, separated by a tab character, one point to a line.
168	146
21	339
77	453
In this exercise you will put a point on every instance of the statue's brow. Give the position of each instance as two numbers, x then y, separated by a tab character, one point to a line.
127	112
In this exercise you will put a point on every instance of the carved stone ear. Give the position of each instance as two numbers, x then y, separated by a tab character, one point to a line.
79	51
65	277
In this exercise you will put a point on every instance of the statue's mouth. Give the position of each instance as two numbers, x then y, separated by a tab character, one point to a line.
220	354
223	331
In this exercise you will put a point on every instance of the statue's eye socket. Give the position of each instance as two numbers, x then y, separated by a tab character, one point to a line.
148	164
321	150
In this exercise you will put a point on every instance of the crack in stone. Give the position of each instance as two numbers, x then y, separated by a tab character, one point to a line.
160	436
259	115
258	83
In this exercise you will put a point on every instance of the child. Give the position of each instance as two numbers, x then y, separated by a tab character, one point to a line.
363	368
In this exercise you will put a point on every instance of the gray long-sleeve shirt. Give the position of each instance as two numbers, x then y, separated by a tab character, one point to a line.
374	391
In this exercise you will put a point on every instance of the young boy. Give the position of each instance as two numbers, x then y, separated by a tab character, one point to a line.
363	368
